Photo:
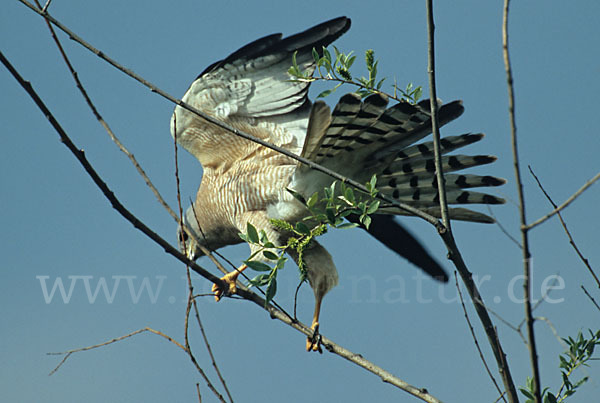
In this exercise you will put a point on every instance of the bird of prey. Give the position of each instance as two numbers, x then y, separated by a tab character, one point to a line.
244	182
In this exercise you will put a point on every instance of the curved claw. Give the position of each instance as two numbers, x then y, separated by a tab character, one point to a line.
230	279
314	343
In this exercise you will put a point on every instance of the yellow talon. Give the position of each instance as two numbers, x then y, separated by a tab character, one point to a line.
230	278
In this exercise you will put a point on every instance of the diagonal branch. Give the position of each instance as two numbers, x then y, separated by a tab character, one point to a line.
564	225
275	313
557	209
533	357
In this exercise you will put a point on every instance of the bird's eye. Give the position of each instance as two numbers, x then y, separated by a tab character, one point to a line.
183	236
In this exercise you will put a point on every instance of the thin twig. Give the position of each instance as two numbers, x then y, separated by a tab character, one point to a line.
504	230
435	129
210	353
564	225
566	202
45	9
590	297
357	359
524	230
67	354
445	230
462	302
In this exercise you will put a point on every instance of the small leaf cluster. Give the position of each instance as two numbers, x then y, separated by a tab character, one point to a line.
338	70
327	209
580	351
411	93
269	251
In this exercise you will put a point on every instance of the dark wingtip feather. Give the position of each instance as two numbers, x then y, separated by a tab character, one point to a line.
393	235
318	36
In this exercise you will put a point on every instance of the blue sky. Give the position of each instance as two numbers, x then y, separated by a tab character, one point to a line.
56	223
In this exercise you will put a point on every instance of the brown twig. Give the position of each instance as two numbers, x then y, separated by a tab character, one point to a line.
445	230
210	353
462	302
524	229
590	297
564	225
565	203
67	354
275	313
504	230
198	392
435	129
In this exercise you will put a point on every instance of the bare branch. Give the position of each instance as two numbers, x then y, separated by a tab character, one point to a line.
504	230
524	230
462	302
247	295
435	129
564	225
565	203
210	353
590	297
67	354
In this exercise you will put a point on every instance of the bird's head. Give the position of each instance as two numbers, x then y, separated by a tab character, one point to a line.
187	243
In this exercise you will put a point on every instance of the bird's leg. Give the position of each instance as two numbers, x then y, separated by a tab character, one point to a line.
313	343
230	278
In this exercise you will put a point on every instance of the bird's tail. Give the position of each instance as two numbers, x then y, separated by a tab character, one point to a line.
362	138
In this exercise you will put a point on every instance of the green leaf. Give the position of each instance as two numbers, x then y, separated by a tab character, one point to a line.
373	207
312	201
262	235
257	266
350	61
271	290
349	194
347	225
302	228
550	398
243	237
329	91
325	93
417	93
315	55
270	255
280	263
330	215
366	221
326	55
259	280
251	232
297	195
527	393
373	181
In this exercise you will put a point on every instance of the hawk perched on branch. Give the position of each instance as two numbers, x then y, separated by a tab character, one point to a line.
244	182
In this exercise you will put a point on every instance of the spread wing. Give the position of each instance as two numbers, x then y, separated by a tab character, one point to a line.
251	90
